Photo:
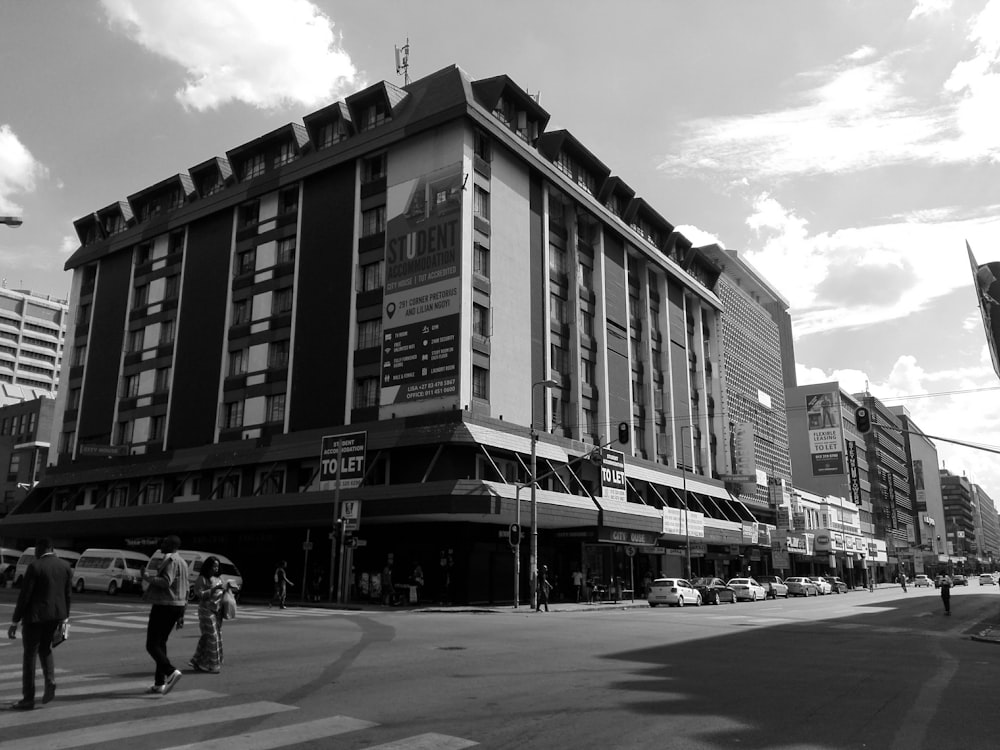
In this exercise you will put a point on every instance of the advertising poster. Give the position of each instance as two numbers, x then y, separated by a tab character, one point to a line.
613	475
421	313
350	450
825	444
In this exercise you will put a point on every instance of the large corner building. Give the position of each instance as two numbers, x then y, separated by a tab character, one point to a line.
428	265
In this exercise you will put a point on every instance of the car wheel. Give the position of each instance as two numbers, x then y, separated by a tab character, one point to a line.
680	601
697	601
79	586
113	589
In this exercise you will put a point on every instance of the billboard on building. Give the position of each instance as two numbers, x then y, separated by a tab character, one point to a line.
918	483
421	308
826	446
613	475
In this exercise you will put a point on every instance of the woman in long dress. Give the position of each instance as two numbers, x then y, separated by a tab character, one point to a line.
208	591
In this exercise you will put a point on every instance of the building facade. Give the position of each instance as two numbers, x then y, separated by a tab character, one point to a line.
431	271
25	435
32	335
987	531
958	497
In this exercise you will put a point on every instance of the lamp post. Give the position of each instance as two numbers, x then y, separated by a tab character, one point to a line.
546	384
11	221
684	485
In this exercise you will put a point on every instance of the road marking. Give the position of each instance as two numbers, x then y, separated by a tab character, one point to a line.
62	680
140	727
129	687
430	741
266	739
56	712
108	624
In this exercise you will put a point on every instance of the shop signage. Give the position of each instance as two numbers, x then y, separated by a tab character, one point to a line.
749	532
822	543
744	456
675	520
852	470
777	492
796	544
698	548
94	449
734	550
350	450
652	551
625	536
824	426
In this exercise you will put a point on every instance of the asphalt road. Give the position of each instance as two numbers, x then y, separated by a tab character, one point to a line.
884	670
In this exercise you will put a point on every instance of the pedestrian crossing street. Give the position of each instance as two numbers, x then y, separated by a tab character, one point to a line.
93	710
91	623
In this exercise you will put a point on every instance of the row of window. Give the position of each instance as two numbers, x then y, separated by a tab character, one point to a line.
277	358
281	303
19	425
246	261
232	411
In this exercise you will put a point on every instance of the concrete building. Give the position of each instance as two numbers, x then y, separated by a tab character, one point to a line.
32	335
752	372
960	512
987	531
430	273
25	436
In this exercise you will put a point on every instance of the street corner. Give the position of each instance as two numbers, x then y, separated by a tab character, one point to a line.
986	633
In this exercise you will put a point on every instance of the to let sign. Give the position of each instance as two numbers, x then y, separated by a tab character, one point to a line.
345	453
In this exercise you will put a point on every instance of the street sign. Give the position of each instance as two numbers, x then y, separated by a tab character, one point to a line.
350	450
630	551
307	546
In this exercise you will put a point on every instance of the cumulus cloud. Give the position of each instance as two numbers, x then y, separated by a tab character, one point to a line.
929	8
699	237
265	53
19	171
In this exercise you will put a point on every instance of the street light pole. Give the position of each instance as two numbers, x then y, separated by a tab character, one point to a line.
684	484
546	384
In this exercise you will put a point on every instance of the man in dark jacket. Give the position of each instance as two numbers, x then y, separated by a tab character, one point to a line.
42	605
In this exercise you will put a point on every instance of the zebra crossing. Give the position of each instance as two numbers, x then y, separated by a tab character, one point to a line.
92	710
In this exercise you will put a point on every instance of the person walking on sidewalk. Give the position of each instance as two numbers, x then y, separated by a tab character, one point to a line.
43	605
168	593
281	584
946	593
543	587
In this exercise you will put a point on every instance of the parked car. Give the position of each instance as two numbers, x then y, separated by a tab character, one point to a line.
110	570
801	586
675	591
228	571
747	588
837	585
986	580
714	590
8	564
822	585
922	580
959	580
28	556
774	586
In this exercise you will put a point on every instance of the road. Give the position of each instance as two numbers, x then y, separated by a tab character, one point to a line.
884	670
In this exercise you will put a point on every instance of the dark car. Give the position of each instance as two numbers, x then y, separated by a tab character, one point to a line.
774	586
714	590
838	586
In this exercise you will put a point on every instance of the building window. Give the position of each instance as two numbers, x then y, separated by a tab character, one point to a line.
273	483
249	213
588	371
80	355
480	321
286	153
241	311
559	357
124	432
130	386
141	298
373	221
332	132
156	426
286	250
176	242
143	253
162	379
480	383
136	340
365	393
557	261
237	362
587	323
167	332
557	309
372	117
253	166
277	354
373	168
481	203
118	497
288	200
246	261
153	494
483	148
72	403
232	415
371	276
229	486
281	302
172	287
275	408
369	333
481	259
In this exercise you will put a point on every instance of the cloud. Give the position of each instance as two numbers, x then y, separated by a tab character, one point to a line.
265	53
699	237
861	276
19	171
929	8
70	243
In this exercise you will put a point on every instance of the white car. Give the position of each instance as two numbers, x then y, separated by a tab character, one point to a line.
986	580
748	588
822	585
676	591
925	580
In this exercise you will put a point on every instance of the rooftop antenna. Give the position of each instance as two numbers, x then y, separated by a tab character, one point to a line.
403	62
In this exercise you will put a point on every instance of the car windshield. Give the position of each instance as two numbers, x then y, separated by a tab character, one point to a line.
741	581
703	581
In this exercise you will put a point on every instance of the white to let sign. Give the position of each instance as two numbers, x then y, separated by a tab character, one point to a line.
350	449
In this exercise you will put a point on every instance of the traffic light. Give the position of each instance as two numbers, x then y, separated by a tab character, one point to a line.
514	535
862	419
623	433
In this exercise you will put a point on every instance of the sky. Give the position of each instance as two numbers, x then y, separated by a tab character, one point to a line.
848	149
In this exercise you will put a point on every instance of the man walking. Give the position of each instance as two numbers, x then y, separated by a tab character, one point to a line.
43	605
946	593
168	593
543	587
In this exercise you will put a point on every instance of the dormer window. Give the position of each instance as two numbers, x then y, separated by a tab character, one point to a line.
175	198
286	153
372	117
149	209
504	112
614	205
212	184
332	132
575	171
114	224
253	166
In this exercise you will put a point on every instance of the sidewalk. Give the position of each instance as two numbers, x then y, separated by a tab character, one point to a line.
457	608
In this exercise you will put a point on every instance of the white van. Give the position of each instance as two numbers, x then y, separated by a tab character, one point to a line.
110	570
228	571
28	556
8	563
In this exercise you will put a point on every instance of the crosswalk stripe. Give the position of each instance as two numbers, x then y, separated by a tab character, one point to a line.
267	739
137	728
57	712
108	623
108	688
59	681
12	672
429	741
83	629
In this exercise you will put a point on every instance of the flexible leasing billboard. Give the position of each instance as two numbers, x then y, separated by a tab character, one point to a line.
826	445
